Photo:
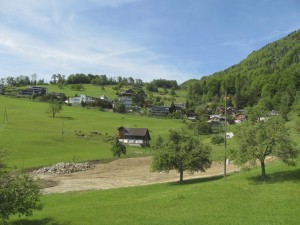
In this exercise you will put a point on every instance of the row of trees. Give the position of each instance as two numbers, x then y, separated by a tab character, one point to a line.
21	80
81	78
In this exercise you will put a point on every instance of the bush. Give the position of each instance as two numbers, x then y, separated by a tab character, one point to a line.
217	139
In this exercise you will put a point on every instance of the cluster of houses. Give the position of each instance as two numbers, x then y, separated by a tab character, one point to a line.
236	116
125	98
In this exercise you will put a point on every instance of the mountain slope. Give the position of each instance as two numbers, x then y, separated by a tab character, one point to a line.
271	73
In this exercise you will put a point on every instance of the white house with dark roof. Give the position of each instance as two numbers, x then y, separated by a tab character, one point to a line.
79	99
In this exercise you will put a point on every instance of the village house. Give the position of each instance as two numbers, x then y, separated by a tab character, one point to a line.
127	93
159	110
180	105
127	102
239	118
134	136
33	90
78	100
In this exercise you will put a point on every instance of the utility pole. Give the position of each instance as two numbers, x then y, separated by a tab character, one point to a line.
62	132
5	116
225	138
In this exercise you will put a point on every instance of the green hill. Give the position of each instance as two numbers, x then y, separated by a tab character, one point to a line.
271	74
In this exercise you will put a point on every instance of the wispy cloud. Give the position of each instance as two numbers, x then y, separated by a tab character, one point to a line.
82	53
60	46
238	43
113	3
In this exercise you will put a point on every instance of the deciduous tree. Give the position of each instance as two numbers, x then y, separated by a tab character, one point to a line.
182	152
55	107
118	148
258	140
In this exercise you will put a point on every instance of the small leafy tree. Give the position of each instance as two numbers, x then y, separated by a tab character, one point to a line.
118	148
257	140
119	107
182	152
202	127
217	139
19	193
158	142
55	107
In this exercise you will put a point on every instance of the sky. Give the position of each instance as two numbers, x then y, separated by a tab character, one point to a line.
143	39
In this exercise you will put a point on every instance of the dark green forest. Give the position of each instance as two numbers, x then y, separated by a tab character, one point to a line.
270	76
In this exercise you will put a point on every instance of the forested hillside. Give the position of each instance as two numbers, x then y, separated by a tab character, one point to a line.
270	75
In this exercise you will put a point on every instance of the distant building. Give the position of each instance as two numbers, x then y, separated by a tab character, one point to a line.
180	105
134	136
127	93
80	99
127	102
229	135
33	90
159	110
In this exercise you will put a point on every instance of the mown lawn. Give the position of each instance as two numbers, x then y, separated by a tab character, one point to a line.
241	199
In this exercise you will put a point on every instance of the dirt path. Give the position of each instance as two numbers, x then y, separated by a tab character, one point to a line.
120	173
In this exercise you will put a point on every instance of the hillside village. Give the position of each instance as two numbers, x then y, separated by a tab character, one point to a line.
124	104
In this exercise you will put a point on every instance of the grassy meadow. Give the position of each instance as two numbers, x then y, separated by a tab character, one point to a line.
34	138
241	199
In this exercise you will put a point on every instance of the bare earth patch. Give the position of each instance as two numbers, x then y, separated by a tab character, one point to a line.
120	173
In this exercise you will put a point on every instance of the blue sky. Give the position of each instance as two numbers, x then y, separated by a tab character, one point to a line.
146	39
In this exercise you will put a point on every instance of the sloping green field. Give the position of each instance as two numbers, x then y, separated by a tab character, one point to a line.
241	199
33	138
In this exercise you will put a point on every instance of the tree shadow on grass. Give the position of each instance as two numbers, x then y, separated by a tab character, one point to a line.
277	177
45	221
197	180
65	117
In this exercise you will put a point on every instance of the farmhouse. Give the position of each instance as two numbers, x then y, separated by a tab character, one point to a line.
134	136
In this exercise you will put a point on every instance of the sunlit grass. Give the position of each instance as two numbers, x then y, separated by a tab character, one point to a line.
240	199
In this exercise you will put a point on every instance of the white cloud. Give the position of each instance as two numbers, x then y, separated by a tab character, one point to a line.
238	43
113	3
84	54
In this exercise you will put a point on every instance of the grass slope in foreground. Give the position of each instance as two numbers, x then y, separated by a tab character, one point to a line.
241	199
